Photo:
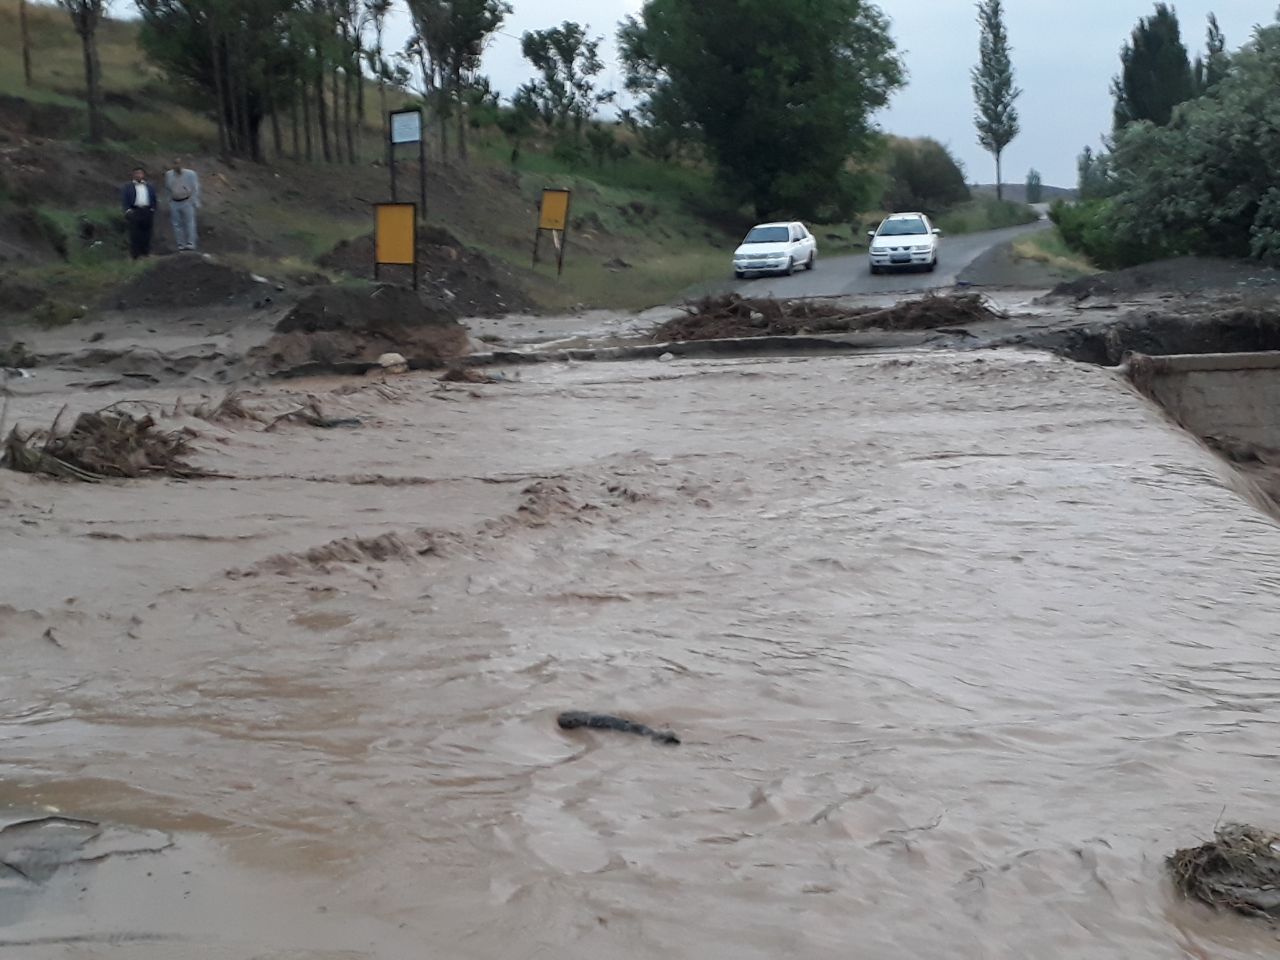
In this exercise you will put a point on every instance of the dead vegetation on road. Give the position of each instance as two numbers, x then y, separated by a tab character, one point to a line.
732	315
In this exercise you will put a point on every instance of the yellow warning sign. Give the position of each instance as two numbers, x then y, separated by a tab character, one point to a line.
395	233
554	212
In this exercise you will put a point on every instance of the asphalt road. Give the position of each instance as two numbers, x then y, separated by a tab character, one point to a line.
840	276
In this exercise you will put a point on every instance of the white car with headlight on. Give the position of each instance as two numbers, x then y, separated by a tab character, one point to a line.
775	248
903	241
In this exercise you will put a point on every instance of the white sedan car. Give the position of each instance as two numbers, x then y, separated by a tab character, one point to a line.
904	240
775	248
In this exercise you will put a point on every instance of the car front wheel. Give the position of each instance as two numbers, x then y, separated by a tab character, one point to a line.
813	261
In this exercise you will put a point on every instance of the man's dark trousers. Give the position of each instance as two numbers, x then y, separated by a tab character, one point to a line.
140	220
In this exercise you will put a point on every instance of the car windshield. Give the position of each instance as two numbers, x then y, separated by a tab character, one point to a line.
768	235
902	228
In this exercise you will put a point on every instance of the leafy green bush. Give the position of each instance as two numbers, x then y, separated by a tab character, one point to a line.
1204	184
1090	227
924	176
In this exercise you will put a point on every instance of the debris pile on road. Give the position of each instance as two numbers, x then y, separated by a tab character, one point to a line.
1238	869
106	443
732	315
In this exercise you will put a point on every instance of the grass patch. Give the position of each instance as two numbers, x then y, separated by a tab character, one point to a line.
984	213
650	282
1049	248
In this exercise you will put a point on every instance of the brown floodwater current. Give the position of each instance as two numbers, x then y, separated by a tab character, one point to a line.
958	647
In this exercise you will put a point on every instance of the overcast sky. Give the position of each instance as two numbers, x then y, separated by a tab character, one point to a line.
1065	53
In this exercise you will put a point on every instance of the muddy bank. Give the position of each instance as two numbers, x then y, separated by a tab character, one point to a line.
182	281
890	605
1161	331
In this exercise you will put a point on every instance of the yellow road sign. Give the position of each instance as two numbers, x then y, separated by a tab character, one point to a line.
394	237
554	212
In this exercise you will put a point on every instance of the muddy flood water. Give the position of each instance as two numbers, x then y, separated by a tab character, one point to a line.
959	647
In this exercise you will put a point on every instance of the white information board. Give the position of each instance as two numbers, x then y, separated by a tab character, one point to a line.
406	127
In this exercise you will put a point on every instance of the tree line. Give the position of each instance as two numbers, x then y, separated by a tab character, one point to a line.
1188	166
778	98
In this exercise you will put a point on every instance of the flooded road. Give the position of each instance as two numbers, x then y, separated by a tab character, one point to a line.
959	647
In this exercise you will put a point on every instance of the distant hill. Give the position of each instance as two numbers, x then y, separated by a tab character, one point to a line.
1018	191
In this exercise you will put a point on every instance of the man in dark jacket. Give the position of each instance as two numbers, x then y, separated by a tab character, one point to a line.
138	200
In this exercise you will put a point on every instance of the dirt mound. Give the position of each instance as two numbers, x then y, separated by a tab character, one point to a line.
731	315
1180	275
449	271
1236	330
340	327
1238	869
185	280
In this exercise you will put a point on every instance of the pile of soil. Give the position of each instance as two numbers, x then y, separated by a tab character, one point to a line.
448	271
108	443
731	315
349	328
1234	330
1238	869
186	280
1180	275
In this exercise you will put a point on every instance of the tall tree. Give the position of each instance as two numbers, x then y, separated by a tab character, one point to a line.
85	17
1212	67
1035	187
1155	71
994	93
781	94
375	56
567	61
233	52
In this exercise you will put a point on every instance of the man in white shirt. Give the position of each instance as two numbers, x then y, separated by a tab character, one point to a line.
184	200
138	201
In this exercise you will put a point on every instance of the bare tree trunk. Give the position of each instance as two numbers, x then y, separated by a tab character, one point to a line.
337	113
26	42
999	179
293	123
382	104
354	81
220	87
277	141
360	91
233	101
93	87
460	106
305	95
321	113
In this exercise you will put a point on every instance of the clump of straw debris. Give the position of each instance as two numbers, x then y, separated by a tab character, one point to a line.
106	443
1238	869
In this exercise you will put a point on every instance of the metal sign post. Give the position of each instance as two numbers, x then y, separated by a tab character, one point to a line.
406	127
395	237
553	217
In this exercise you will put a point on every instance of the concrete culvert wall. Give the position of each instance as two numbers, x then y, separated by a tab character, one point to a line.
1220	396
